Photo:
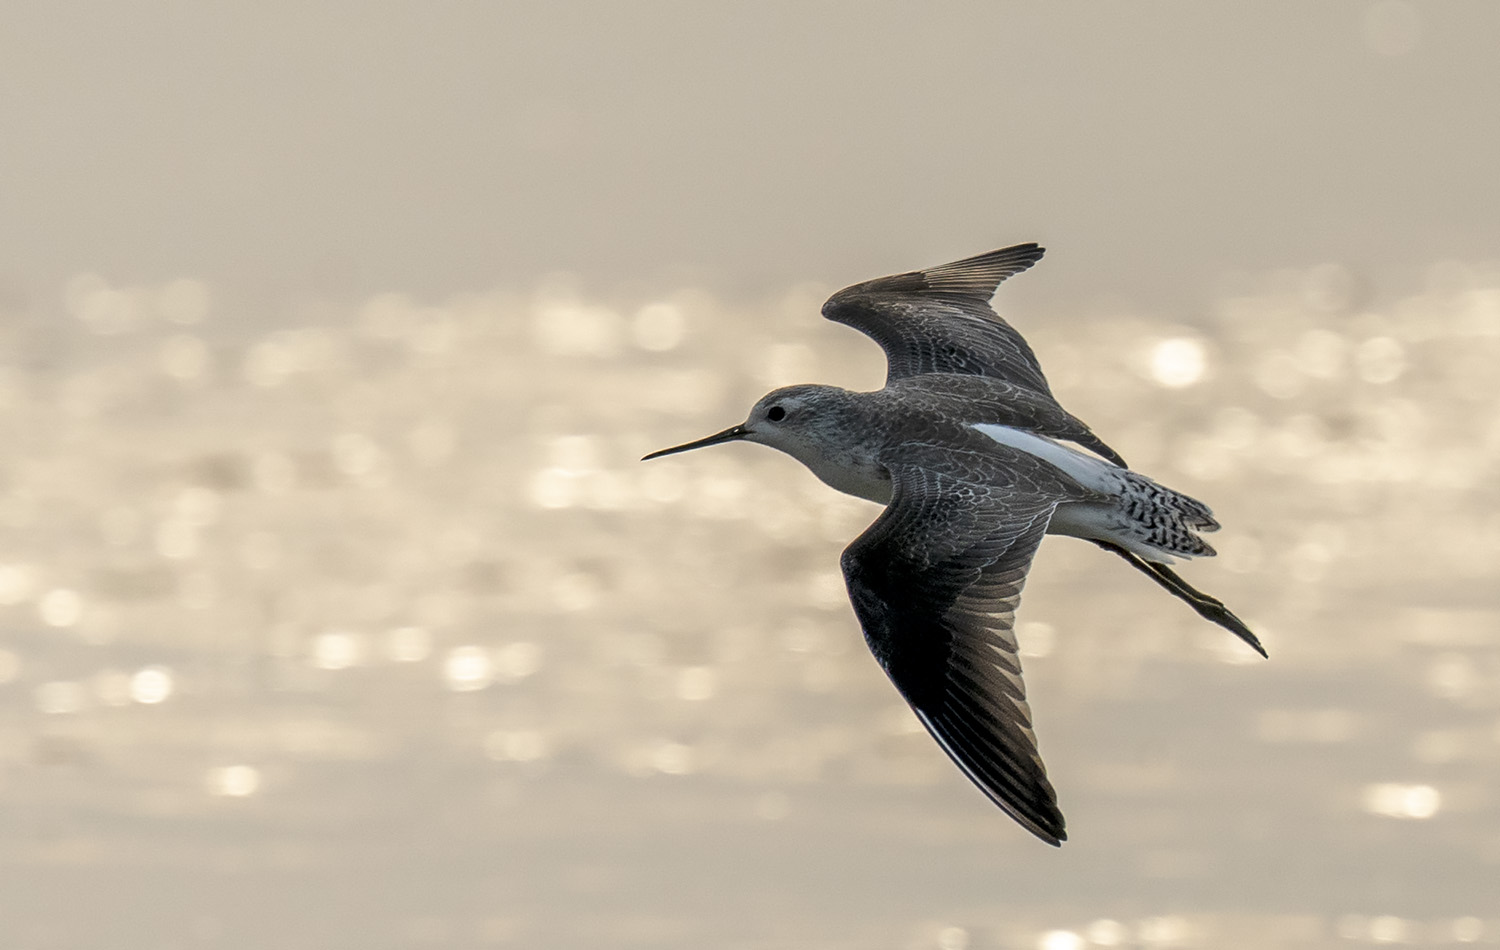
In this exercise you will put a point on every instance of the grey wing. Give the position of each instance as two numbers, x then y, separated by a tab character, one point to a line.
935	582
1008	404
939	320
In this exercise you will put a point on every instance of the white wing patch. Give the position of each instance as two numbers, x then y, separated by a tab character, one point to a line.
1086	470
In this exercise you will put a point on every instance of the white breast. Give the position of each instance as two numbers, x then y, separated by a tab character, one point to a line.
859	477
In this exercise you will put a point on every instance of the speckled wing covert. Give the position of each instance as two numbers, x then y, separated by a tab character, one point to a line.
935	582
1003	403
939	320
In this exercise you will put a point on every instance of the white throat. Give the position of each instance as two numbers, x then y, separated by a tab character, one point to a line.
845	468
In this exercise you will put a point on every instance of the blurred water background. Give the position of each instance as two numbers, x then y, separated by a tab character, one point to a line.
333	615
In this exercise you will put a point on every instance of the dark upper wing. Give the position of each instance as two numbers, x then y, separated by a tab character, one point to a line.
997	401
939	320
935	582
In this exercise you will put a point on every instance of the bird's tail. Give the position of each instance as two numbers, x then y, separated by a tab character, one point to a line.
1158	523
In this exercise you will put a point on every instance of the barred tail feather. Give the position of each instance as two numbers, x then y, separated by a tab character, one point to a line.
1141	516
1164	520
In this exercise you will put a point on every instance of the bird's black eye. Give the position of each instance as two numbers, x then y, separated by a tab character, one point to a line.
776	413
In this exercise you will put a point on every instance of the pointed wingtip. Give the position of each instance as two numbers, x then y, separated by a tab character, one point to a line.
982	274
1051	833
976	277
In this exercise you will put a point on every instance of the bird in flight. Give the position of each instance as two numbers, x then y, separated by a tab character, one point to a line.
975	460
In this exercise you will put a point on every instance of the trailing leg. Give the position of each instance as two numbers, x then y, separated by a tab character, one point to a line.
1207	607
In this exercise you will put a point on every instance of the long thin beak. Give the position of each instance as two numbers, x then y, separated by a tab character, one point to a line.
730	434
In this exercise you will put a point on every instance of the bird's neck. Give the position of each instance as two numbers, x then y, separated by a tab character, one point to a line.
844	454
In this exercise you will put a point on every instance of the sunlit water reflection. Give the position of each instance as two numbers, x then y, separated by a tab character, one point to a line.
373	632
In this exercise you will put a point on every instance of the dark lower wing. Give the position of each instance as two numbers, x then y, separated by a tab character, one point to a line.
935	582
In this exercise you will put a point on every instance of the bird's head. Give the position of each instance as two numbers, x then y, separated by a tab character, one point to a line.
801	421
